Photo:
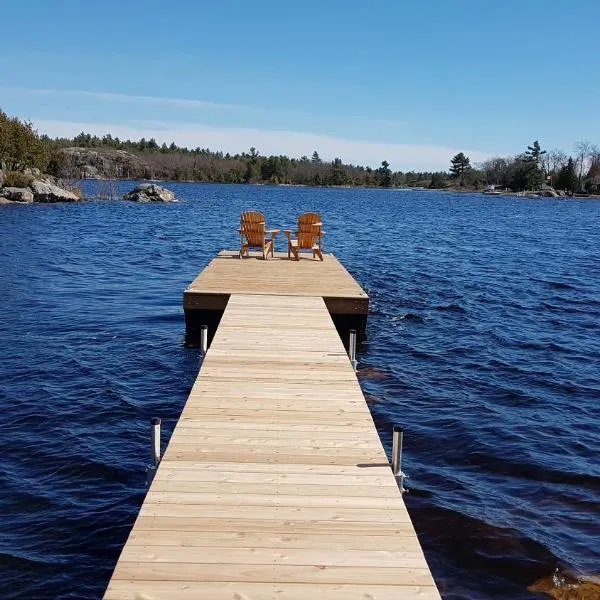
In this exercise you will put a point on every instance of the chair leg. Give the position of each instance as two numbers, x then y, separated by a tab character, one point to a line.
267	247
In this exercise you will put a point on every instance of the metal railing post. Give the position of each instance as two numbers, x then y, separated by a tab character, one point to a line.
397	442
155	442
204	338
352	349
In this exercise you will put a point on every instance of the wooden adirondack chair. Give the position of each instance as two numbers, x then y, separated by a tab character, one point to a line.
253	234
308	236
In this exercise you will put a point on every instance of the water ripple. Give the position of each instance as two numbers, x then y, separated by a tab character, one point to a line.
483	340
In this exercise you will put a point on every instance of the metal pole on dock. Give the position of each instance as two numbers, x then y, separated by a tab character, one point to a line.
352	349
204	338
155	441
397	442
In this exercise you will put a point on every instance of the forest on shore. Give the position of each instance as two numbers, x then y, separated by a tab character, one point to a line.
22	148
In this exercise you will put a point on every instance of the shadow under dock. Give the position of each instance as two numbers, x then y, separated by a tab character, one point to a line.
205	300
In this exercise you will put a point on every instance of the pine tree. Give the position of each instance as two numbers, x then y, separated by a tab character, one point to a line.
459	164
528	175
567	178
385	174
337	173
534	152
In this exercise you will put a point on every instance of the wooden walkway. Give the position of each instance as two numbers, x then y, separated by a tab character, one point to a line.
274	484
227	274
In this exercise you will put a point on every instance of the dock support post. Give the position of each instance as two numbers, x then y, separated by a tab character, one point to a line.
155	441
397	442
204	338
352	349
151	469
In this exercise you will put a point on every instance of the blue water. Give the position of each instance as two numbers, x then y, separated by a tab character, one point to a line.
483	340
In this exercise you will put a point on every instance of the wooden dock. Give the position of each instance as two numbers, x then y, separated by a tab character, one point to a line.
275	484
206	298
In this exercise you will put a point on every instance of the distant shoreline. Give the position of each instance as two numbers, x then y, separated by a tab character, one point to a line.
525	194
109	189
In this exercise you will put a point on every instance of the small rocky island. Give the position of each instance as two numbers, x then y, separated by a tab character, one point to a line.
150	192
32	186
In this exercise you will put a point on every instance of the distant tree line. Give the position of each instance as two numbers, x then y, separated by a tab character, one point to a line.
202	164
534	169
22	149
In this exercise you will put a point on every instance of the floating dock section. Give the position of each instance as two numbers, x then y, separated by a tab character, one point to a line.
206	298
274	484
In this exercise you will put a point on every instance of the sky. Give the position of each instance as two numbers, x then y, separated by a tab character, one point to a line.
412	83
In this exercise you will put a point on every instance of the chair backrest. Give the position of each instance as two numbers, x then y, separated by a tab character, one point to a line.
309	230
309	219
252	225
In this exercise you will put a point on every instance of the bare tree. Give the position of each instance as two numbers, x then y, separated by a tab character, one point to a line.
495	170
583	151
554	161
108	189
594	169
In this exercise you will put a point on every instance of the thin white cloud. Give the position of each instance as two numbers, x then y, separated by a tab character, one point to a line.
403	157
123	98
184	103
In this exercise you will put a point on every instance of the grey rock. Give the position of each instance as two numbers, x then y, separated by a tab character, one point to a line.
150	192
44	191
99	163
17	194
4	200
90	172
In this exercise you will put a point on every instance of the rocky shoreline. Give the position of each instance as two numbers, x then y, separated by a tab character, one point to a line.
31	187
35	187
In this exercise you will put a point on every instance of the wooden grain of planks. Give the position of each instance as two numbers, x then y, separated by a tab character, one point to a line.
274	483
227	274
279	276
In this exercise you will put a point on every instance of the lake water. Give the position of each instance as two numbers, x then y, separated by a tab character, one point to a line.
483	340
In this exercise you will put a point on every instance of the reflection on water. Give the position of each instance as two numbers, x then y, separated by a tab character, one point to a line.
371	373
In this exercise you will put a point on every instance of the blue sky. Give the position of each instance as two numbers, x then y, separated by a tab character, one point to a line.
412	83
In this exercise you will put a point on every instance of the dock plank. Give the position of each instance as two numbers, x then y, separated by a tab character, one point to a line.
225	590
315	574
